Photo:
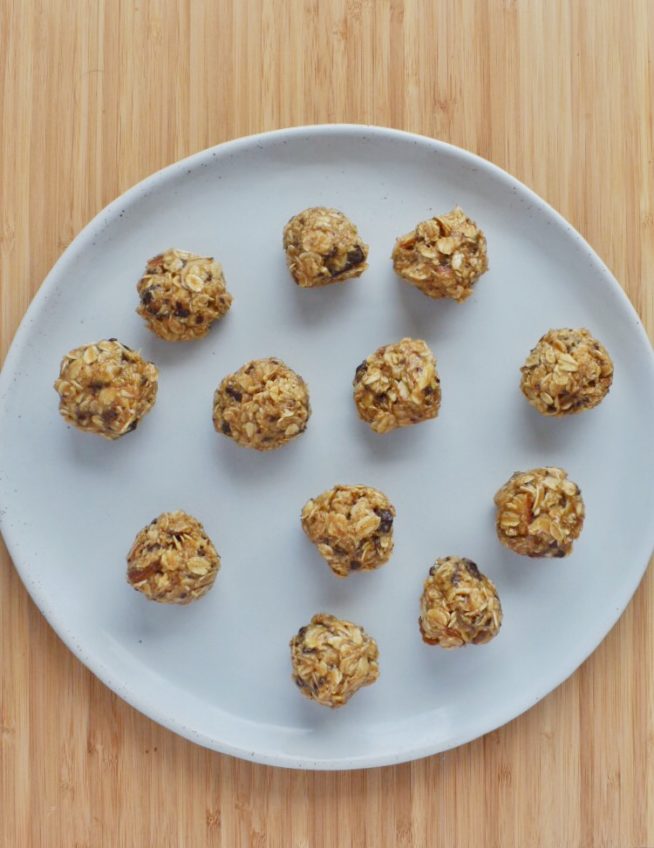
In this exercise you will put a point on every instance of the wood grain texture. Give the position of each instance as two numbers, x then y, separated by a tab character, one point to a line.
95	95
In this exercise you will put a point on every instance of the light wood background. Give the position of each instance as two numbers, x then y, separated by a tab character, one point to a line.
95	95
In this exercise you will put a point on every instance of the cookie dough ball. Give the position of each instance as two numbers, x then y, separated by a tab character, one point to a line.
459	605
568	371
332	659
323	246
182	295
172	560
352	527
398	385
539	513
106	388
443	257
263	405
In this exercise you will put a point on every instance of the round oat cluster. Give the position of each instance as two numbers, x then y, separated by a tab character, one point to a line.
443	257
263	405
323	246
398	385
105	388
332	659
568	371
459	605
182	295
172	560
352	527
539	513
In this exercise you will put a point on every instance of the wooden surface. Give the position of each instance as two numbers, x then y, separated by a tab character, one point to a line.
95	95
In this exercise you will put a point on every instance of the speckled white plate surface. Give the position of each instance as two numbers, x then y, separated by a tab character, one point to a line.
218	671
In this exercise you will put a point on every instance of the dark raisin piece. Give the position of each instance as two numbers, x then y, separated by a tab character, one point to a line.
96	385
132	426
472	569
386	520
361	370
146	297
112	340
199	319
227	430
354	257
234	393
109	416
355	565
181	311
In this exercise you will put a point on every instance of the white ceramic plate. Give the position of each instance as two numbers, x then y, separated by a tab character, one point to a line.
218	671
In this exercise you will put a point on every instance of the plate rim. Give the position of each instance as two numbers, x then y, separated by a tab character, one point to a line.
90	658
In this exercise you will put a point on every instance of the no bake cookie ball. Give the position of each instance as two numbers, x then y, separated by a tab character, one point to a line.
332	659
567	372
459	605
105	388
352	527
443	257
539	513
182	294
397	385
323	246
172	560
263	405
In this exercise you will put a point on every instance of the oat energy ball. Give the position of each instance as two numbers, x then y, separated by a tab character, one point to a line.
443	257
323	246
459	605
182	295
539	513
332	659
105	388
397	385
352	527
568	371
172	560
263	405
